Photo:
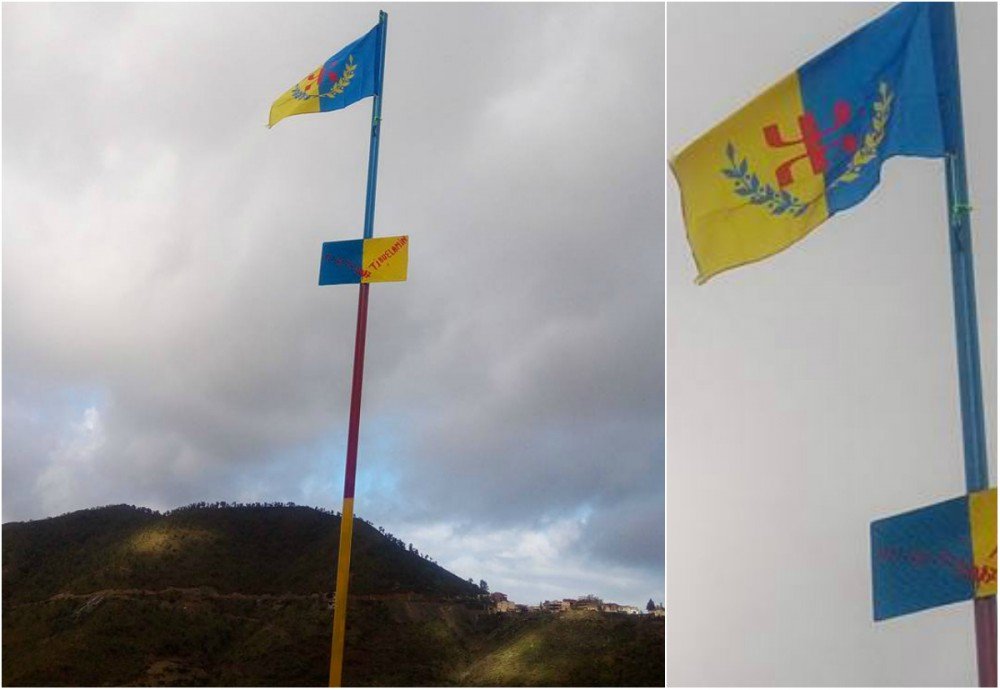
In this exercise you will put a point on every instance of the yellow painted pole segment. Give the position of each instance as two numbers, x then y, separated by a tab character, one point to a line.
340	596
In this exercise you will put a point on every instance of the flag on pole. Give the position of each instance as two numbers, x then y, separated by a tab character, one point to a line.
348	76
813	144
354	73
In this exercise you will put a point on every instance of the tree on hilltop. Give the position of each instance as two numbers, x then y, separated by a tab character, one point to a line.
650	606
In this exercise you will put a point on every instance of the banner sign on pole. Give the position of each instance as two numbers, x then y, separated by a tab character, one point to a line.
371	260
983	518
936	555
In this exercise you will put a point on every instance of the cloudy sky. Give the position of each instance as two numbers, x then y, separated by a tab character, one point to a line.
164	339
814	392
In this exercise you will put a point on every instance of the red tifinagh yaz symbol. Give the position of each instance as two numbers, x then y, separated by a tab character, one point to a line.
812	139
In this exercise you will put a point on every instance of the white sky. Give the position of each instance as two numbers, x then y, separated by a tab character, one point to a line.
164	339
814	392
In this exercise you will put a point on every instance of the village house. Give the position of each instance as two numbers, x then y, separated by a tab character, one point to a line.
500	604
555	606
588	603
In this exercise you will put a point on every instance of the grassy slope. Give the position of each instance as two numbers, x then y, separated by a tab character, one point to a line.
577	648
190	640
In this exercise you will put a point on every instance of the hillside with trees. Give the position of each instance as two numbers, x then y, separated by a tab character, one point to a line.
215	594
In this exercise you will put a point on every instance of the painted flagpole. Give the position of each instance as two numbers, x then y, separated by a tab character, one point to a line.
966	329
347	514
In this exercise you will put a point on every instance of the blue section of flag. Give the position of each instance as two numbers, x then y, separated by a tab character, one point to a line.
341	262
360	61
922	559
894	50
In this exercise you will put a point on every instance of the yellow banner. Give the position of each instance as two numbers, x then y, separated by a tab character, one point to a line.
385	259
983	519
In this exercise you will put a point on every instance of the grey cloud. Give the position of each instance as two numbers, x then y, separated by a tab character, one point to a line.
629	531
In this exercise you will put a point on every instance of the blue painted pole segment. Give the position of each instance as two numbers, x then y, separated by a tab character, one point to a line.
383	20
977	477
960	237
354	420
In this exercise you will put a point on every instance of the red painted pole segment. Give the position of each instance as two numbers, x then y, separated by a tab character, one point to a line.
347	514
354	422
986	640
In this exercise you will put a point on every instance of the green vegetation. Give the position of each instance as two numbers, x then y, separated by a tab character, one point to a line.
248	549
242	596
575	648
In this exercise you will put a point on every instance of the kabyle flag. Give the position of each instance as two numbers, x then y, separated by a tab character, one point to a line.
348	76
813	144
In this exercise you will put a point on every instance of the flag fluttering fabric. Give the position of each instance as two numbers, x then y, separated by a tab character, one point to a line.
812	144
348	76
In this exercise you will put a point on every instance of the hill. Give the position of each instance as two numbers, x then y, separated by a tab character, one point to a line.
248	549
242	596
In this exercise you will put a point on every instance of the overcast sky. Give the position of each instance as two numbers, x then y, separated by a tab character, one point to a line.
164	338
816	391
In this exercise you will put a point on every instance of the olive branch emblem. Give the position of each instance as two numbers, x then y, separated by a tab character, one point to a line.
868	152
747	184
336	88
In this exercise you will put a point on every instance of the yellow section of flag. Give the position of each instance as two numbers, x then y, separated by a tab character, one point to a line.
287	104
726	228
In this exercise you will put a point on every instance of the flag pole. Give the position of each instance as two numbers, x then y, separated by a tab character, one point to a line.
966	329
354	421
